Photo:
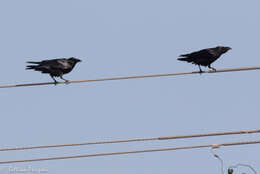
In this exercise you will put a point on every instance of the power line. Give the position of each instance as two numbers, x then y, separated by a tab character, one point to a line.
243	165
134	77
133	152
231	168
220	159
134	140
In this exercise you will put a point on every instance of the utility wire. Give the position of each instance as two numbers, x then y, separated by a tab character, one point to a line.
134	140
231	168
134	77
243	165
219	158
133	152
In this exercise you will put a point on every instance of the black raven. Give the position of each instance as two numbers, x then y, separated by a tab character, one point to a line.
55	67
204	57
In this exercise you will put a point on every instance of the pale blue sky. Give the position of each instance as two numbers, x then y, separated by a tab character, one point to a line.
117	38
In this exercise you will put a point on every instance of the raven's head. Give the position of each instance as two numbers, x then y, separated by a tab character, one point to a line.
74	60
222	49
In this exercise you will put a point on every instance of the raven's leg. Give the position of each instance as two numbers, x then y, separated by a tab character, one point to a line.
212	68
200	69
66	81
55	82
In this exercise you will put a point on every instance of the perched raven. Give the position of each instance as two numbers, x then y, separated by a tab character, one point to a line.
204	57
55	67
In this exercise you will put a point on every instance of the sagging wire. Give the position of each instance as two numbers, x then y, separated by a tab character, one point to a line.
215	146
134	77
231	168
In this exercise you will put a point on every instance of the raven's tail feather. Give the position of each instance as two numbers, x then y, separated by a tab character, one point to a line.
34	62
31	67
184	59
185	55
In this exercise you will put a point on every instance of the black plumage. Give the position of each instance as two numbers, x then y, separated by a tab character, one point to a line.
54	67
204	57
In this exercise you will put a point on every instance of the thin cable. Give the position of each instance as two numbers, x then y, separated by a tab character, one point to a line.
230	169
134	77
244	165
134	140
218	157
130	152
